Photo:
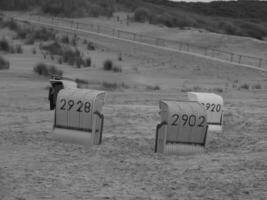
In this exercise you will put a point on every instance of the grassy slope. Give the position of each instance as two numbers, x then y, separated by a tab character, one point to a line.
238	18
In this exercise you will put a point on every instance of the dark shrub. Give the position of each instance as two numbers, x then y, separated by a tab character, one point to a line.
73	41
253	30
81	81
79	62
218	90
84	41
172	21
88	62
41	69
108	65
22	33
109	86
53	70
90	46
156	87
33	51
244	86
116	69
53	48
12	49
257	86
11	24
182	22
60	60
29	40
71	57
228	28
65	39
120	57
19	49
141	15
4	64
114	86
44	70
42	34
4	45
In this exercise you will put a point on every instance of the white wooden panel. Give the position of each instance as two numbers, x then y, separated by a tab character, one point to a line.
61	108
186	121
213	103
75	108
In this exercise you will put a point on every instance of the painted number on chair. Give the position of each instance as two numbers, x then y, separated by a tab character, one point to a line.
78	106
212	107
188	120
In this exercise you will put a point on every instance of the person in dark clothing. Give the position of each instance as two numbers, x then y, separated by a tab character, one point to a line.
53	92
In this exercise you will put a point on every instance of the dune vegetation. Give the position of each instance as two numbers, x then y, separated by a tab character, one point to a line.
243	18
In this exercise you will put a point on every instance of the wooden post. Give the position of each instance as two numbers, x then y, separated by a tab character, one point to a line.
163	43
232	57
187	45
239	60
260	62
206	51
212	53
156	42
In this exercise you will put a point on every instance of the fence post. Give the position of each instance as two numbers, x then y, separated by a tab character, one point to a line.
206	51
239	60
157	42
163	43
232	57
260	62
73	27
212	53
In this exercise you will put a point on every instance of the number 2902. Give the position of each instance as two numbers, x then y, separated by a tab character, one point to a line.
188	120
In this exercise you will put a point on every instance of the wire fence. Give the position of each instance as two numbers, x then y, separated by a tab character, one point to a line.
177	45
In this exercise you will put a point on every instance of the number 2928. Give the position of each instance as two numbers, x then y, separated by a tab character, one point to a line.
78	106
